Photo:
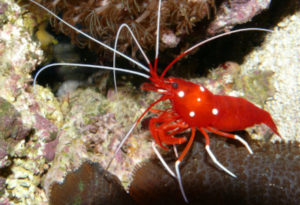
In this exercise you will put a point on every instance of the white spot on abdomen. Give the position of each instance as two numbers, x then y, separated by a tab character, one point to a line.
215	111
181	94
202	88
198	99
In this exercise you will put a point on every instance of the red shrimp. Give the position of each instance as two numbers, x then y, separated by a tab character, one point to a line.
192	106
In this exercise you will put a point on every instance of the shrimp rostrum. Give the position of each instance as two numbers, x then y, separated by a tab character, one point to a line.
193	107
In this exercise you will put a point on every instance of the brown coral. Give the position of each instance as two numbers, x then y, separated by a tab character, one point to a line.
77	186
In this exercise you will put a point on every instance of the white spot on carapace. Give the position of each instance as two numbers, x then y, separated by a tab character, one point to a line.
202	88
215	111
198	99
181	93
192	114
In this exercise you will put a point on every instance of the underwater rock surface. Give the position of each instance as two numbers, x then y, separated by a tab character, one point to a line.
28	121
280	54
270	176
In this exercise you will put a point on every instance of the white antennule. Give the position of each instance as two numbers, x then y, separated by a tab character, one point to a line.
89	66
115	48
155	66
90	37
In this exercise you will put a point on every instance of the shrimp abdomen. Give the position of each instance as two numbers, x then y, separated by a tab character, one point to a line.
236	113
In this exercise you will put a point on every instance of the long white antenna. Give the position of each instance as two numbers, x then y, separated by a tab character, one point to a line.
225	34
90	66
90	37
208	40
162	98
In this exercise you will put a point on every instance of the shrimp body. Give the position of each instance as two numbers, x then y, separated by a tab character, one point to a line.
194	106
201	108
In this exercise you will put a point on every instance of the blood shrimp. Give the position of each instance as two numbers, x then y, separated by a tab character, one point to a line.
193	107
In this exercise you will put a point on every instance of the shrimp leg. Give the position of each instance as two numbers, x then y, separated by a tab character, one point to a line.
177	163
236	137
212	156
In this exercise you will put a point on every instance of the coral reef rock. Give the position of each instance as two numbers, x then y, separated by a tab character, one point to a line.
89	184
269	176
29	118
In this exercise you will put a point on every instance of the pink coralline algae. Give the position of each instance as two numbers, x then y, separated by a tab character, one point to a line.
93	129
235	12
48	129
28	118
12	131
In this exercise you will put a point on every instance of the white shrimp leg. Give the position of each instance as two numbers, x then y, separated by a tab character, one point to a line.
162	160
244	143
177	163
175	151
212	156
232	136
214	159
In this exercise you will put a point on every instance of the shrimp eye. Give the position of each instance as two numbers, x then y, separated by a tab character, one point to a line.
175	85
